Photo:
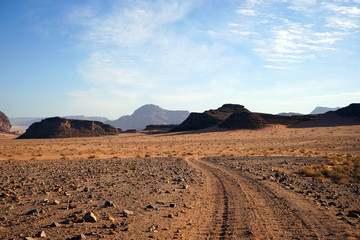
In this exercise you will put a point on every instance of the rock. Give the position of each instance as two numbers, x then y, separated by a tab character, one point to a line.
128	213
109	204
90	217
150	206
32	212
55	224
172	205
41	234
72	206
29	238
170	215
354	214
79	237
56	202
4	123
185	186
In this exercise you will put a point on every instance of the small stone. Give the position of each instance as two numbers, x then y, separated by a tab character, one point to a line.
41	234
32	212
185	186
150	206
55	224
172	205
353	214
56	202
72	206
170	215
29	238
128	212
90	217
80	237
86	189
109	204
151	228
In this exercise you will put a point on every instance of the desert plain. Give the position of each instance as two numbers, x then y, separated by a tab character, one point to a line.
207	184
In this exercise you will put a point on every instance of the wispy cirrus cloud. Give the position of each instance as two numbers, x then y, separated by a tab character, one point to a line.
300	30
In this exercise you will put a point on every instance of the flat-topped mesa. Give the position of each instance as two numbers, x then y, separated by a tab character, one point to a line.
209	118
4	123
57	127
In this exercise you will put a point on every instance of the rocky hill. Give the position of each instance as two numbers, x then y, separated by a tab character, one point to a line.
149	115
4	123
353	110
233	116
211	117
58	127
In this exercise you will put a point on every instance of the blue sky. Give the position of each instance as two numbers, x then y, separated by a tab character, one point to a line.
107	58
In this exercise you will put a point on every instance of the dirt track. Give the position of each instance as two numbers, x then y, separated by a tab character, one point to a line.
248	208
174	198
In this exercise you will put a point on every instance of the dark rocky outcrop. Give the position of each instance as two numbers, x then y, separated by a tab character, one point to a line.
244	120
149	115
4	123
353	110
57	127
233	116
209	118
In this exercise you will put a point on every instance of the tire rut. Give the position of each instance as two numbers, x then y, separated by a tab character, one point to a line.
248	209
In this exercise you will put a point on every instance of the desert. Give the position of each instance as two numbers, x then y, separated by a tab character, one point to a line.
204	184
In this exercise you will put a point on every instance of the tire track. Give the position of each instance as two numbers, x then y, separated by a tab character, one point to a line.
248	209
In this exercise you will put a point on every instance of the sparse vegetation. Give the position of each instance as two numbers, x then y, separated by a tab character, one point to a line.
336	169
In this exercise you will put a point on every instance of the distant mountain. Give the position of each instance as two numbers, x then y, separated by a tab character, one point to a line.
27	121
4	123
57	127
149	115
289	114
321	110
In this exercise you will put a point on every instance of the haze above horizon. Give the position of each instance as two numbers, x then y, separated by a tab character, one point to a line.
107	58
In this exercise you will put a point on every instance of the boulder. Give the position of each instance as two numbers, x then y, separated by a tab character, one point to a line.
4	123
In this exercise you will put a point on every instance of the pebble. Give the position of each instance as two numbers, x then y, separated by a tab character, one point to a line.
170	215
55	224
109	204
172	205
56	202
32	212
41	234
128	212
90	217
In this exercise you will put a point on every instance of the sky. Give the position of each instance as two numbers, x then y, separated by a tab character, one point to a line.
109	57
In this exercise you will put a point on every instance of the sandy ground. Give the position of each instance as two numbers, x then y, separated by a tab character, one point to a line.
271	141
200	185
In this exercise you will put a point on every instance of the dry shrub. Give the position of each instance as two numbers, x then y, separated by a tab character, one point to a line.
337	169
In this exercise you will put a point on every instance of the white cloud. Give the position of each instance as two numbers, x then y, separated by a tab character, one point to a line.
247	12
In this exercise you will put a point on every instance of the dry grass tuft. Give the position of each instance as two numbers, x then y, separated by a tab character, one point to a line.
337	169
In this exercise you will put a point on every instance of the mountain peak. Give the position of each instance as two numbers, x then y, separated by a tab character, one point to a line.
149	114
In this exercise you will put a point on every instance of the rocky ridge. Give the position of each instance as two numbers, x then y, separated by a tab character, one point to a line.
58	127
234	116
